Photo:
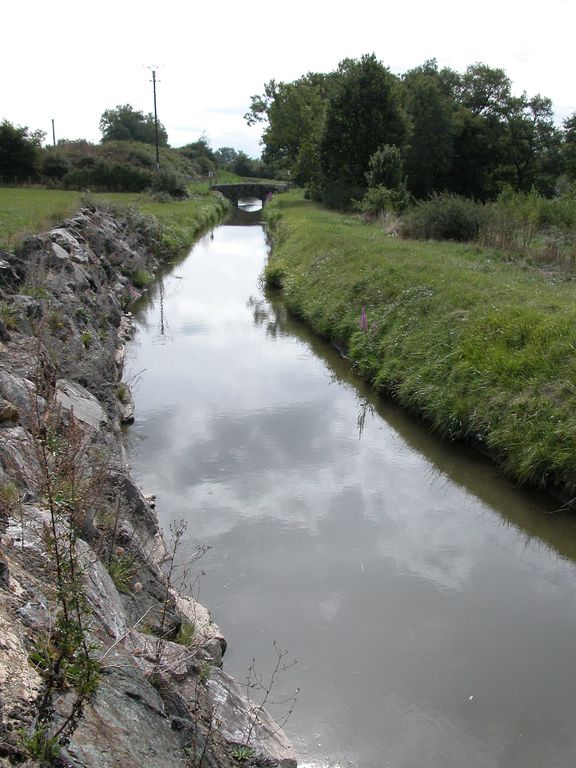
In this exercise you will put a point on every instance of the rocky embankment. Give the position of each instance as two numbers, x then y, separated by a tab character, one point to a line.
102	661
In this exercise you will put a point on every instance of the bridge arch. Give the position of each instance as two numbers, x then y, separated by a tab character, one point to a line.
235	192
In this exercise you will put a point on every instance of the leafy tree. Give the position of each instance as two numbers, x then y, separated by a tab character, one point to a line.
20	151
201	154
480	132
533	143
292	114
225	156
364	112
244	165
485	91
569	146
124	123
431	106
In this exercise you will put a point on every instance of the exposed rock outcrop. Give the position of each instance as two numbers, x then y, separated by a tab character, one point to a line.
161	697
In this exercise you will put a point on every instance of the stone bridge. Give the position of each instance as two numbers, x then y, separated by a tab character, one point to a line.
262	191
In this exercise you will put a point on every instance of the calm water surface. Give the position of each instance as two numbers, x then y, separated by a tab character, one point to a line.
431	607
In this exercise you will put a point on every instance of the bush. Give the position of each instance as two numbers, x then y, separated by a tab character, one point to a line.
54	165
444	217
142	278
170	182
381	199
108	177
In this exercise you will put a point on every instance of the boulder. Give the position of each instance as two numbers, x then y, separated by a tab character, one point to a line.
85	407
242	722
64	239
207	636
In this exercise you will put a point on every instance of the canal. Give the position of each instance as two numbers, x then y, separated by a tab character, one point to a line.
430	606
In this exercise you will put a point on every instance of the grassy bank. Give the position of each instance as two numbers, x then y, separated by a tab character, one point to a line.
482	349
31	210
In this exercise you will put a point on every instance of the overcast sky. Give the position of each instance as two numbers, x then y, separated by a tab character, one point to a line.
70	61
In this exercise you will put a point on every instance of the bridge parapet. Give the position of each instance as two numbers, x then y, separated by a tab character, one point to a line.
235	192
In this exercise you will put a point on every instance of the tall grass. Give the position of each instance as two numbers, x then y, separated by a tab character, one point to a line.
523	225
529	225
483	350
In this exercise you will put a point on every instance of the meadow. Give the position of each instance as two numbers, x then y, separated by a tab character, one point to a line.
25	211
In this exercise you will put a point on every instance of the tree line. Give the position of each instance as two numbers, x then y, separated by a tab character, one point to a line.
436	130
123	161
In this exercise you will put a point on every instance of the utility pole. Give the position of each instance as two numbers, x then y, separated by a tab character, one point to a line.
53	133
155	119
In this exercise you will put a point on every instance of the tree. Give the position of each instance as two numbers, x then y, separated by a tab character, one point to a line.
19	151
244	165
225	156
533	143
292	114
569	147
480	132
201	154
363	112
501	139
124	123
430	106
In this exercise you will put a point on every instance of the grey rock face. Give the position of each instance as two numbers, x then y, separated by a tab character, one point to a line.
81	403
126	726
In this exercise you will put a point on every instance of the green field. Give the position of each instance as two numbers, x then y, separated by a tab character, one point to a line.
25	211
484	350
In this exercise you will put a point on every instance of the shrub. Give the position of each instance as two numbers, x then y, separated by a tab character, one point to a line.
444	217
380	199
142	278
108	176
54	165
171	183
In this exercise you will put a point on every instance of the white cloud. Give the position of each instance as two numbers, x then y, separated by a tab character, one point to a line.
71	65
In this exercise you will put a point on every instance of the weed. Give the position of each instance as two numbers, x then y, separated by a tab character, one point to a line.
242	753
122	569
186	634
9	498
81	314
7	316
40	746
34	291
205	670
86	338
55	321
142	278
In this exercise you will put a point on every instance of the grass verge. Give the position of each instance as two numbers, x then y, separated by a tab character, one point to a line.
482	349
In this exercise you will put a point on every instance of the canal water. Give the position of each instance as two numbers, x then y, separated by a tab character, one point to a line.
430	606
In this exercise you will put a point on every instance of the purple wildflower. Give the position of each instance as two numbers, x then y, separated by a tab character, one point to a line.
363	320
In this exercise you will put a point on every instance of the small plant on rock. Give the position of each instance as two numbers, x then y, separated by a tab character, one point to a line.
142	278
242	753
122	569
